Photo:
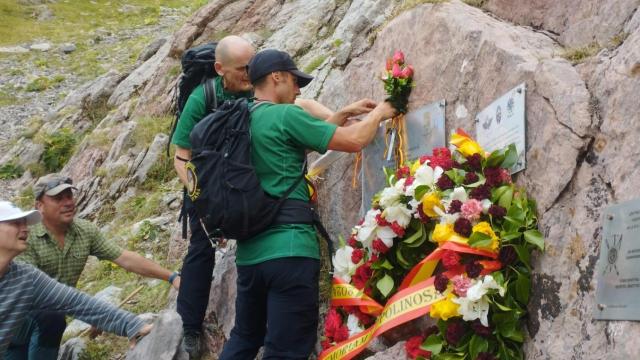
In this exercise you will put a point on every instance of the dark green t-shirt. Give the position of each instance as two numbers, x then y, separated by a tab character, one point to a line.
280	135
195	109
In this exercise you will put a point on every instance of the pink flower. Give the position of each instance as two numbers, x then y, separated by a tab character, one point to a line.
398	57
397	71
461	284
407	73
471	209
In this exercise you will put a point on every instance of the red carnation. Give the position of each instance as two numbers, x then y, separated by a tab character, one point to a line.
352	241
379	246
493	176
485	356
325	344
480	193
497	211
455	332
381	221
507	255
412	346
402	172
362	275
442	152
424	159
455	206
480	329
445	182
441	282
470	178
341	334
475	162
397	229
357	255
473	269
424	218
364	319
463	227
450	259
332	323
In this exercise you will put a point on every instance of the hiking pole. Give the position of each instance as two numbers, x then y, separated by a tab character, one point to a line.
129	297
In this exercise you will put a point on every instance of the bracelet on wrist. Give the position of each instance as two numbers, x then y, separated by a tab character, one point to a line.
173	276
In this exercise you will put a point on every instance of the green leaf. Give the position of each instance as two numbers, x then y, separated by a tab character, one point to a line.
456	175
448	356
477	345
385	285
420	191
415	236
505	198
496	158
523	287
403	262
478	239
502	307
510	157
510	236
524	255
497	193
535	237
433	343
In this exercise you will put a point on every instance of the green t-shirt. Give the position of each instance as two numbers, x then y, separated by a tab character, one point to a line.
280	135
195	109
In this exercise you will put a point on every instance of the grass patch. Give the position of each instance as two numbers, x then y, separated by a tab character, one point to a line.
337	43
475	3
317	61
58	148
148	127
8	95
141	207
11	171
25	199
161	173
43	83
580	54
618	40
33	125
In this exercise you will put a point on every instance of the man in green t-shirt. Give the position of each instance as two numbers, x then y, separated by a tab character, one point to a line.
277	296
232	56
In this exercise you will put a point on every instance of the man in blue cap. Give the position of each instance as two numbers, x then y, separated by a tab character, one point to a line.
278	270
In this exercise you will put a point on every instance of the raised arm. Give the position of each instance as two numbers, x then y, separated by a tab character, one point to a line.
355	137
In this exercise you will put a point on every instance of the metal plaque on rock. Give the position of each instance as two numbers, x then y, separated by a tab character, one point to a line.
503	123
618	270
424	131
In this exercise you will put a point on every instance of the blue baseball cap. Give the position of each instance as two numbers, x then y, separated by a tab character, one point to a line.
267	61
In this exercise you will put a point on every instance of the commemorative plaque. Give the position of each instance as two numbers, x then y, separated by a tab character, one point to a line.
618	270
424	131
503	123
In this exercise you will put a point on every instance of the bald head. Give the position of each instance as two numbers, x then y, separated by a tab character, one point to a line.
232	56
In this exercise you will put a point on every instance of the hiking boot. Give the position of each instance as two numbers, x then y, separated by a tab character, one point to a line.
191	344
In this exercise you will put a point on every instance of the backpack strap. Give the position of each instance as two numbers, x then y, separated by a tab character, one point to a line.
210	96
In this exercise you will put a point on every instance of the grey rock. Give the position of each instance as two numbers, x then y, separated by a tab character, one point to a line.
41	47
72	349
68	48
13	49
151	50
160	221
163	343
152	155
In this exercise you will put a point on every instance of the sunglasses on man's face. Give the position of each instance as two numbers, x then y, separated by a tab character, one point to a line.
53	183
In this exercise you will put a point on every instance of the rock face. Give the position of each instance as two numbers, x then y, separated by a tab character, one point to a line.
163	341
582	126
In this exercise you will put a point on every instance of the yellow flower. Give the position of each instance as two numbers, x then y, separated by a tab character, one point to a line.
444	309
485	228
414	167
444	232
465	144
430	200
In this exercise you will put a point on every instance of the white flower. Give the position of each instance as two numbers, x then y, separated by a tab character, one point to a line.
343	266
386	234
398	213
481	287
353	325
424	175
486	204
471	310
444	217
390	196
366	231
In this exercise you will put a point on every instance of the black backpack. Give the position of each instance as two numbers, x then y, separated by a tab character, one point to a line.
223	183
197	68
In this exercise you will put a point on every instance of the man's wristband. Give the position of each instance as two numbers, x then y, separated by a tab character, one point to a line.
173	276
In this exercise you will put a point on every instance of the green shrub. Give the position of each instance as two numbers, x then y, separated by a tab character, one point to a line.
580	54
11	171
317	61
42	83
58	148
25	198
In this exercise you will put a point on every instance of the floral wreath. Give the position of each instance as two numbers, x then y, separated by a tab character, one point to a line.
450	238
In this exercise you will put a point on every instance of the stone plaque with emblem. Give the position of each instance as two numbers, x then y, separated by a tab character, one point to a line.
618	269
503	123
424	131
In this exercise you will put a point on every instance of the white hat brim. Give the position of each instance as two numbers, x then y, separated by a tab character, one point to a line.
32	216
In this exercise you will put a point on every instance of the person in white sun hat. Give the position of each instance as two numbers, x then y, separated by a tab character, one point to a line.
25	290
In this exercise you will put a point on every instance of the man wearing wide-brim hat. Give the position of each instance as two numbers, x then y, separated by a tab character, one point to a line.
60	247
25	290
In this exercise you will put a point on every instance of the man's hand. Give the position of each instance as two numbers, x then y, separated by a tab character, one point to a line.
142	333
359	107
176	283
385	110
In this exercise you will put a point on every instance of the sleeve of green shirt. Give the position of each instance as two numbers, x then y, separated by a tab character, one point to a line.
306	131
102	248
194	110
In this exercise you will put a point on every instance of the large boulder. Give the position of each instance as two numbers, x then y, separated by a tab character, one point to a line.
163	343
